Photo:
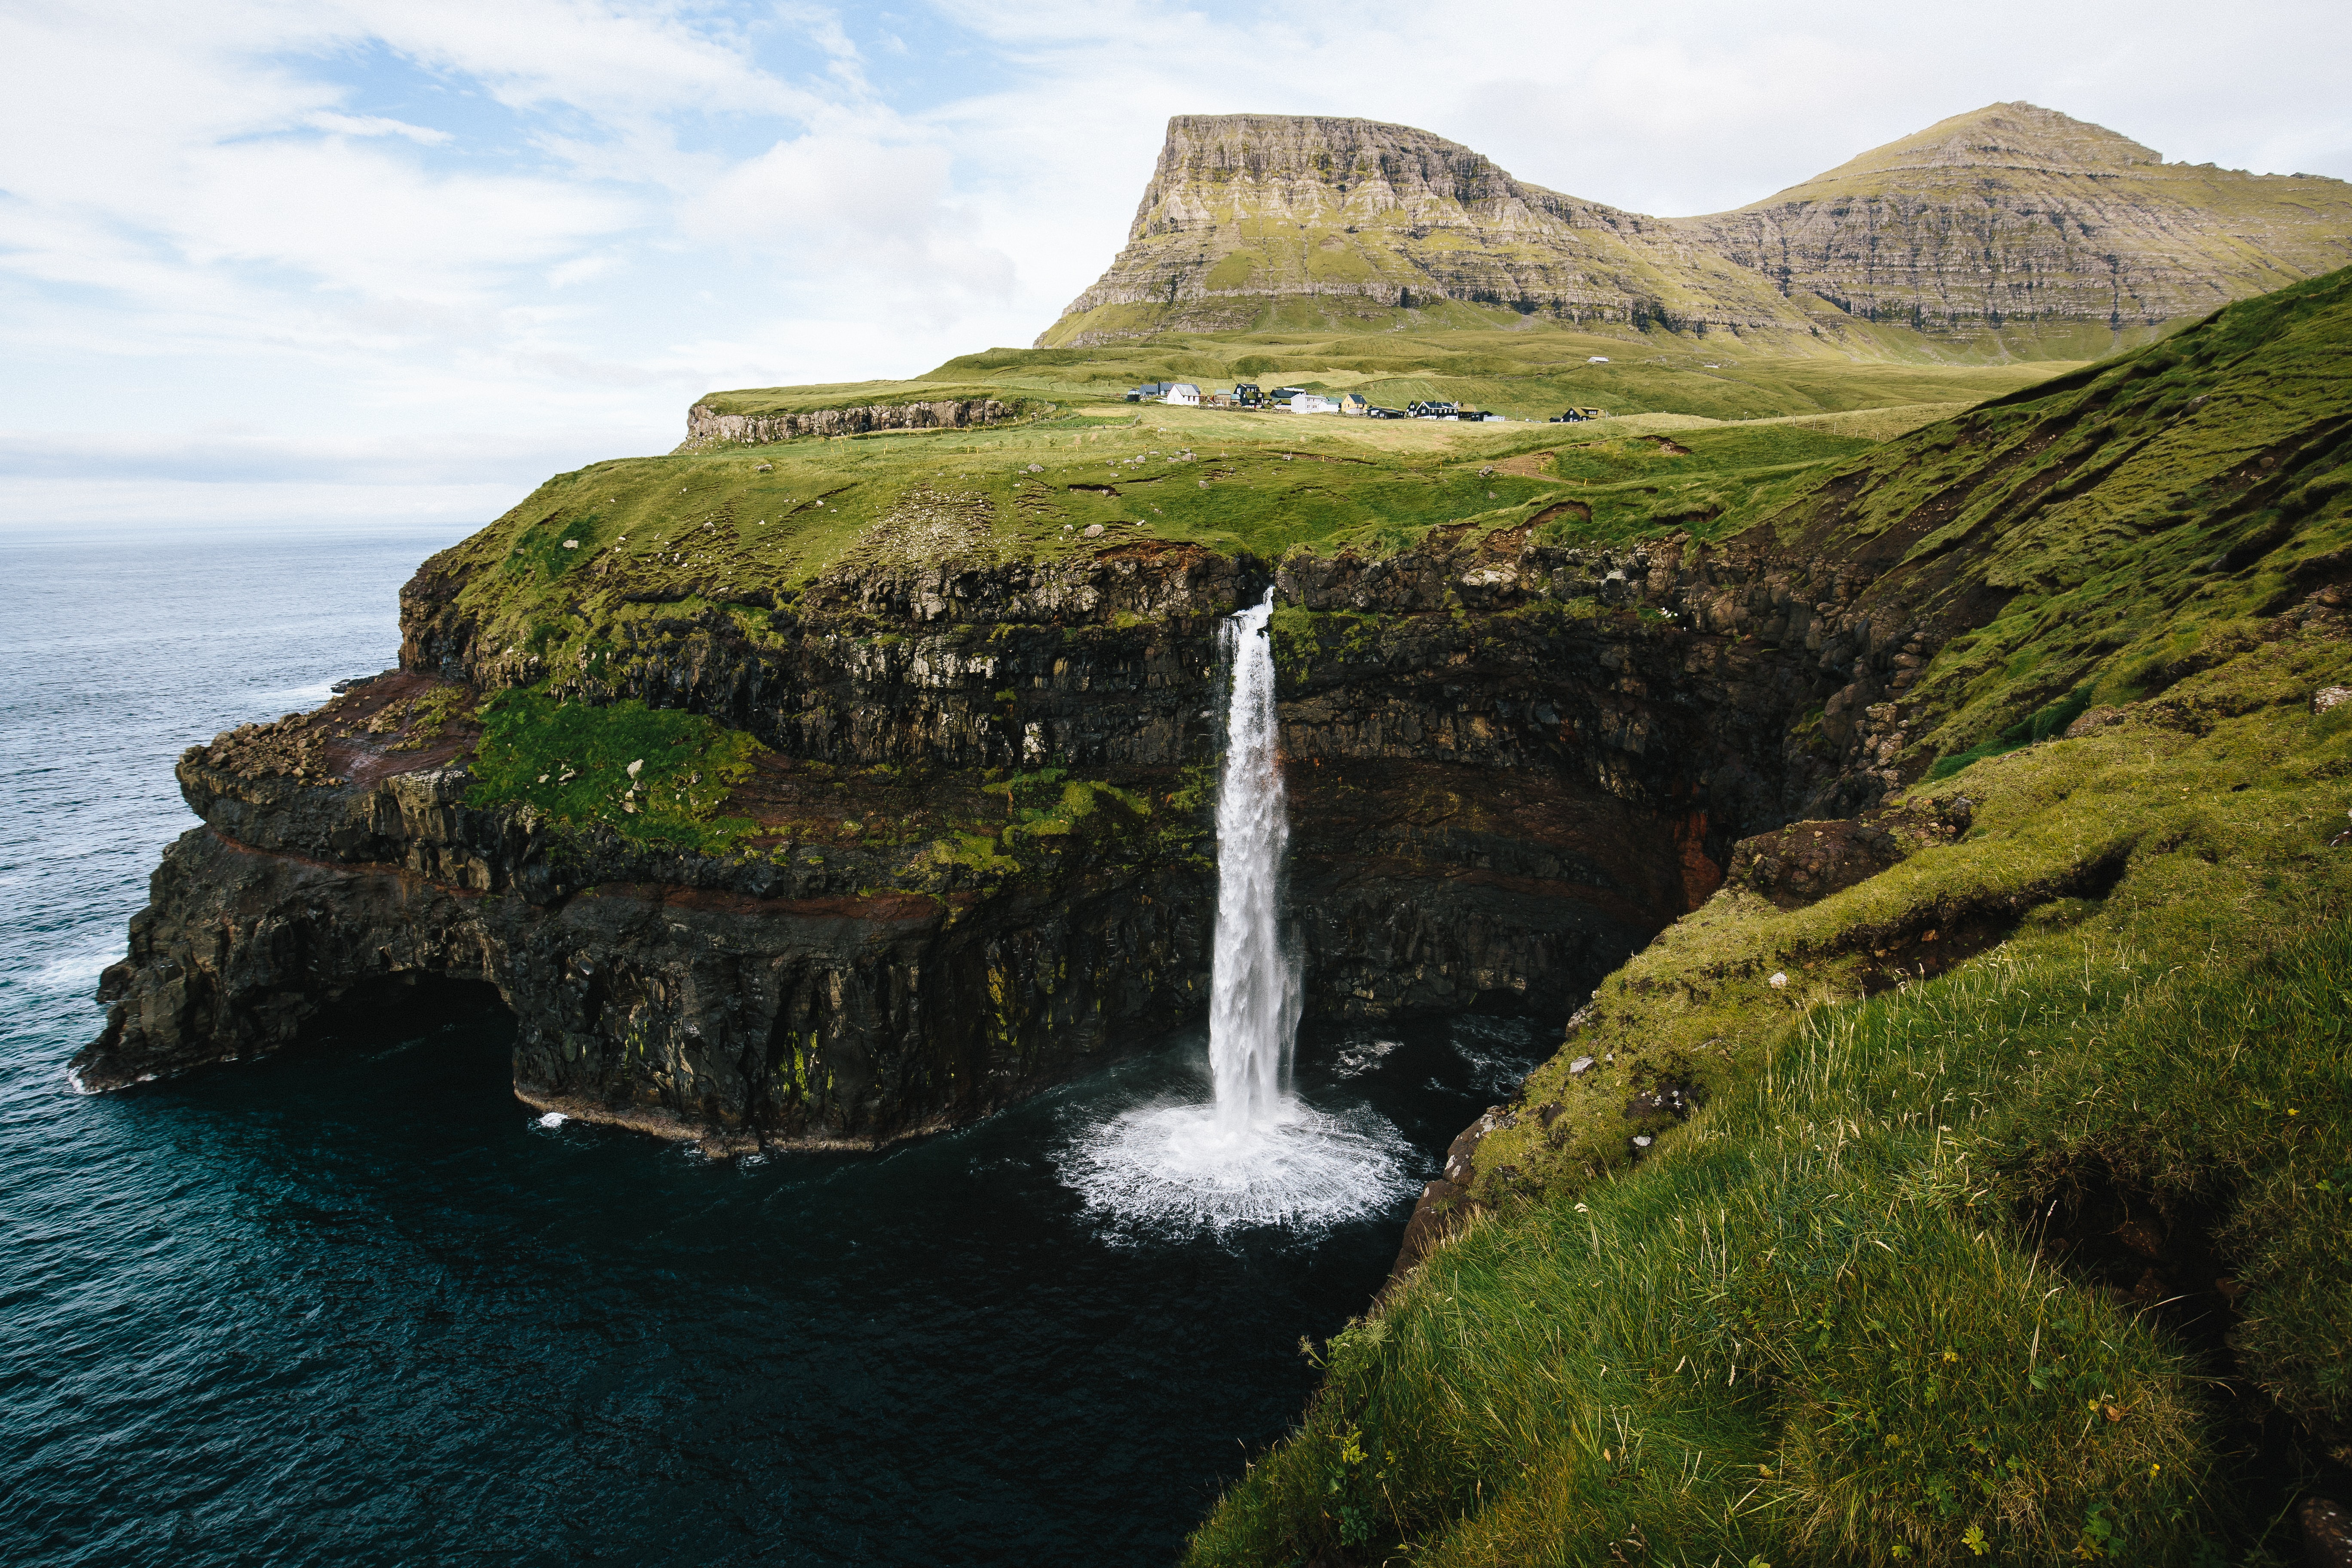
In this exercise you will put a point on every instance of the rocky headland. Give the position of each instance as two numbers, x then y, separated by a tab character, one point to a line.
706	423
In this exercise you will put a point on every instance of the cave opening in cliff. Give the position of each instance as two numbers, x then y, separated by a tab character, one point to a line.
385	1012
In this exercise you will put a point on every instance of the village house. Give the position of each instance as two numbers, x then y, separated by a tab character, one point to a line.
1183	392
1353	404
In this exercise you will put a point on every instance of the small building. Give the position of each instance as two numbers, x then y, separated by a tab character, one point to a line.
1354	405
1312	402
1183	392
1598	359
1247	395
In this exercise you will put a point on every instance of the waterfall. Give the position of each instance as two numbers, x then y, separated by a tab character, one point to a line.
1253	985
1257	1154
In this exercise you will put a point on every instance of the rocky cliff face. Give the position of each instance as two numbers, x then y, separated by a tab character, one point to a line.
2017	215
2013	218
705	423
1243	209
1511	766
807	999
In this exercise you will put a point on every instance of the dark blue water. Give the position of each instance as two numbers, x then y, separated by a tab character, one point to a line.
354	1305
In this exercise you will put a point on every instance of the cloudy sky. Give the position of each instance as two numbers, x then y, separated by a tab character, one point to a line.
337	262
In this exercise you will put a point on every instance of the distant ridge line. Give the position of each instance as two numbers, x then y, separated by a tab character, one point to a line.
2011	219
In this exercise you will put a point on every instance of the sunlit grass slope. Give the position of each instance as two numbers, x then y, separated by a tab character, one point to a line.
1811	1326
1526	367
1827	1319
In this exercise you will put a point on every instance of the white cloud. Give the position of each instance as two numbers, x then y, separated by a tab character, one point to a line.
887	205
374	125
429	248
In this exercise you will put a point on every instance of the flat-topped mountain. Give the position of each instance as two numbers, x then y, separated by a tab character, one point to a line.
2011	221
1245	209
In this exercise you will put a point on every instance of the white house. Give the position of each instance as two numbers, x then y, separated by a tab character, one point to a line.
1183	392
1312	403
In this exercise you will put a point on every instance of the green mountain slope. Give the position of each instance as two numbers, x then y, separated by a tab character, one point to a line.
2009	229
1998	1205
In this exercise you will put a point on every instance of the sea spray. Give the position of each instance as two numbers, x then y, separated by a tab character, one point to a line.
1255	1155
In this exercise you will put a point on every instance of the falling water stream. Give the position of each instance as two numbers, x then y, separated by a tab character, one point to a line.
1256	1154
1254	994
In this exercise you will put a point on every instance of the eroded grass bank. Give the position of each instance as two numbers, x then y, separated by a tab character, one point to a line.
1829	1317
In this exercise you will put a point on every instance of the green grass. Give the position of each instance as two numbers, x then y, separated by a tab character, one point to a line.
591	552
1810	1325
1498	360
1814	1322
571	764
2049	723
2132	521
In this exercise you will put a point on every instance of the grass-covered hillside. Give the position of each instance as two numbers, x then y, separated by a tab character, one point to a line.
569	592
716	525
1522	366
1997	1207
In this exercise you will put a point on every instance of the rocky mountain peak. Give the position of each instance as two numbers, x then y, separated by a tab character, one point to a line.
1217	168
2023	136
2011	219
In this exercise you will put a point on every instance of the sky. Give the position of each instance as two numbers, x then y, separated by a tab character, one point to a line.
345	263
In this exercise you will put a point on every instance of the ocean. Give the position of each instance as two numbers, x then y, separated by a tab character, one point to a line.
354	1304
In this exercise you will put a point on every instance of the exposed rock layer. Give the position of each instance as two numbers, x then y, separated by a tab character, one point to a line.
1511	766
2013	218
706	423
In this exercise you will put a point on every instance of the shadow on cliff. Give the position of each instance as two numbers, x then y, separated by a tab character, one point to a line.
394	1009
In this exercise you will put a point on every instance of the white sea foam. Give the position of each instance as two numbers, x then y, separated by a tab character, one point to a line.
1360	1056
78	970
1173	1170
1255	1155
1498	1054
553	1119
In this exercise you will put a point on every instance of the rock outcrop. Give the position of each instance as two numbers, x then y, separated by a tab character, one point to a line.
1246	209
707	426
2018	216
2013	219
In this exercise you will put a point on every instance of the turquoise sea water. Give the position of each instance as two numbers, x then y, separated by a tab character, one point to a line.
353	1305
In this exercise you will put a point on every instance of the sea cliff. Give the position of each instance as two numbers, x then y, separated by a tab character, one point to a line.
1492	808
